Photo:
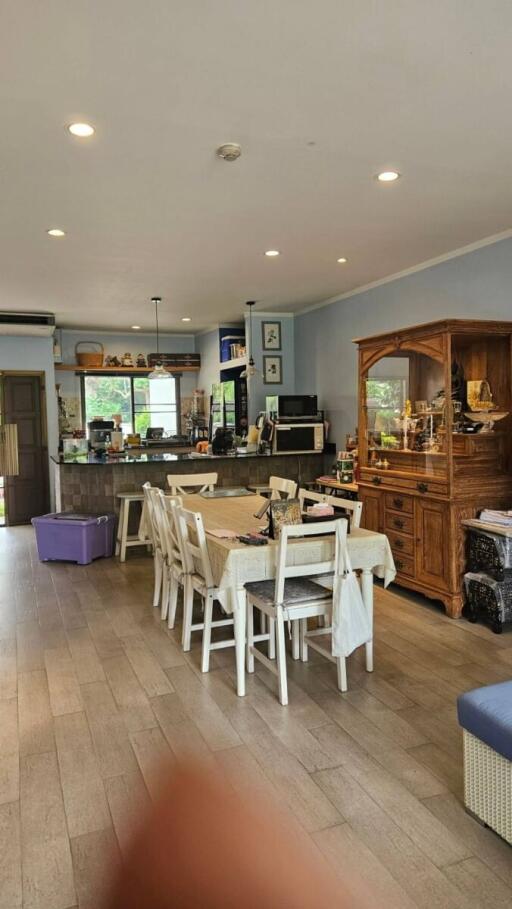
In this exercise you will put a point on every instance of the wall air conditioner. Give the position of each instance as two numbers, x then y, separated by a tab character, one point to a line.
35	324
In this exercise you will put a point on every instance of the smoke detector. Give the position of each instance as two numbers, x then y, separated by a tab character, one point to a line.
229	152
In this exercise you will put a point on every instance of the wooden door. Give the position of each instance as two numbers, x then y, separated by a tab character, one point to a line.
26	495
372	513
432	527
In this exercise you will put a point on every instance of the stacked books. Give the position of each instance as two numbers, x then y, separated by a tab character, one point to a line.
503	518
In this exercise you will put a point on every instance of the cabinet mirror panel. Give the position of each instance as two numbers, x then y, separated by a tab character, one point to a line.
406	415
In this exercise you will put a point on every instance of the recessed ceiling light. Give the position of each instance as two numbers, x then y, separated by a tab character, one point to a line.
388	176
272	252
342	260
56	232
82	130
186	319
136	327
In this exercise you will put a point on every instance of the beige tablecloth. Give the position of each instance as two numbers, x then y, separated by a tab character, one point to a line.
234	563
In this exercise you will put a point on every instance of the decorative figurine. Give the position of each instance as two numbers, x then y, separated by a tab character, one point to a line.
112	361
127	360
141	361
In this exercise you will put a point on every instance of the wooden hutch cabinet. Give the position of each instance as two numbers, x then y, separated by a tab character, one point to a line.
420	473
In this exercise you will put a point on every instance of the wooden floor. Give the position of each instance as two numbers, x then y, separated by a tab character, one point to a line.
94	691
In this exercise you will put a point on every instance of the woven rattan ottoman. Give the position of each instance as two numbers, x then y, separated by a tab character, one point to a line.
486	719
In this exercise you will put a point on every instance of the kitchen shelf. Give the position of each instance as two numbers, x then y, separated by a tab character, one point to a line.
120	370
233	364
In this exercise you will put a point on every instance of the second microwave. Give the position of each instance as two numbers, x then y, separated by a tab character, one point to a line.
297	438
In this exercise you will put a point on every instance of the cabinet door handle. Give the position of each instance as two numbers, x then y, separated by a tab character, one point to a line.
399	564
399	543
398	503
397	522
422	487
376	481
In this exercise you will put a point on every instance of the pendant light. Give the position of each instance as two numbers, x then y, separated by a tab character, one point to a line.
250	369
159	371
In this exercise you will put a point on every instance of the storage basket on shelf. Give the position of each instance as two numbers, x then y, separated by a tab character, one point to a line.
89	358
489	598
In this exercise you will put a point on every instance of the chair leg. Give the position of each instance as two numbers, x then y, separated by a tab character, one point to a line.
119	528
165	593
250	636
303	641
321	621
207	633
158	578
271	639
295	641
281	659
124	531
341	665
263	623
173	601
188	605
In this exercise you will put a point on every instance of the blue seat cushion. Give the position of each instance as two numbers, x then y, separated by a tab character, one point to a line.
487	713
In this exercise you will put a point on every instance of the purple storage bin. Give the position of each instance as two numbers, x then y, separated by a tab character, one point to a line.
74	537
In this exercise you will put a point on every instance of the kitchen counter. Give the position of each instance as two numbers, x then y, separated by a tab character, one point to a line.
92	485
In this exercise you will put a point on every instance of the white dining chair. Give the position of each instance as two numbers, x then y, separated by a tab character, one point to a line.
186	483
199	578
152	530
280	488
173	568
292	597
354	509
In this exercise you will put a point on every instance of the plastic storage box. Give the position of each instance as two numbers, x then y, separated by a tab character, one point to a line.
490	598
490	552
74	537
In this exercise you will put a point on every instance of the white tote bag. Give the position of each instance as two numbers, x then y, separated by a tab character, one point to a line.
351	625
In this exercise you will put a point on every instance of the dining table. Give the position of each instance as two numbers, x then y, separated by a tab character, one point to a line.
235	563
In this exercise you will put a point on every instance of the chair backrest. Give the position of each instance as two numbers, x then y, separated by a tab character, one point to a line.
194	546
149	518
193	482
297	568
281	488
169	530
354	508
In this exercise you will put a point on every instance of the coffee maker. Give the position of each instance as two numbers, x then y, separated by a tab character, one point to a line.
100	434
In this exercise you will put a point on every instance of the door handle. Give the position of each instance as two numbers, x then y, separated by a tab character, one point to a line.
398	503
422	487
397	522
398	543
376	481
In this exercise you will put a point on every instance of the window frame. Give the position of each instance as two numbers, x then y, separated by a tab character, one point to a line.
129	374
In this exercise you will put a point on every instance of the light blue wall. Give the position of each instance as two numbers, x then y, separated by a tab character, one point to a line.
477	285
207	345
35	355
257	388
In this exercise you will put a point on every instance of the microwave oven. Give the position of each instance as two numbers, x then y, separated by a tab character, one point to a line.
292	407
297	438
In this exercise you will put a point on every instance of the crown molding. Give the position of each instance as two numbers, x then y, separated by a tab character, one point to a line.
429	263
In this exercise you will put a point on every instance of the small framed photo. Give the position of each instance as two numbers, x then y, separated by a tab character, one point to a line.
272	370
271	335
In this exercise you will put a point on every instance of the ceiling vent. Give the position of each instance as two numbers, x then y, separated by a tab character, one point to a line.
34	324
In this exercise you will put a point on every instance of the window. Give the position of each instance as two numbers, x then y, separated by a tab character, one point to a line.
140	401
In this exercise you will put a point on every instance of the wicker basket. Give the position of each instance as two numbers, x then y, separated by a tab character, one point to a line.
89	358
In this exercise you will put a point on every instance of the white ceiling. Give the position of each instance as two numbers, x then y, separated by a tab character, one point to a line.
148	208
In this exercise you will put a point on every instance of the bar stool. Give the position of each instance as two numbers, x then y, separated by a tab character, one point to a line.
124	540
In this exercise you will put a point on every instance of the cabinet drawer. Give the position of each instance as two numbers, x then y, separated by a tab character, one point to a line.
400	544
404	565
404	523
398	502
391	481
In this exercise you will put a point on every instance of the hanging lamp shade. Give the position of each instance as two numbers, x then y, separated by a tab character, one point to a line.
159	371
250	369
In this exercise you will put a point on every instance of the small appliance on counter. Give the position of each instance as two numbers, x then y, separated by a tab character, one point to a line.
100	434
293	408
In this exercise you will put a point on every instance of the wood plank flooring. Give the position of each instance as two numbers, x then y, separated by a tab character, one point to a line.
95	693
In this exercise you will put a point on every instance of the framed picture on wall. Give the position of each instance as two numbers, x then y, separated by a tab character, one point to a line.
271	335
272	370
